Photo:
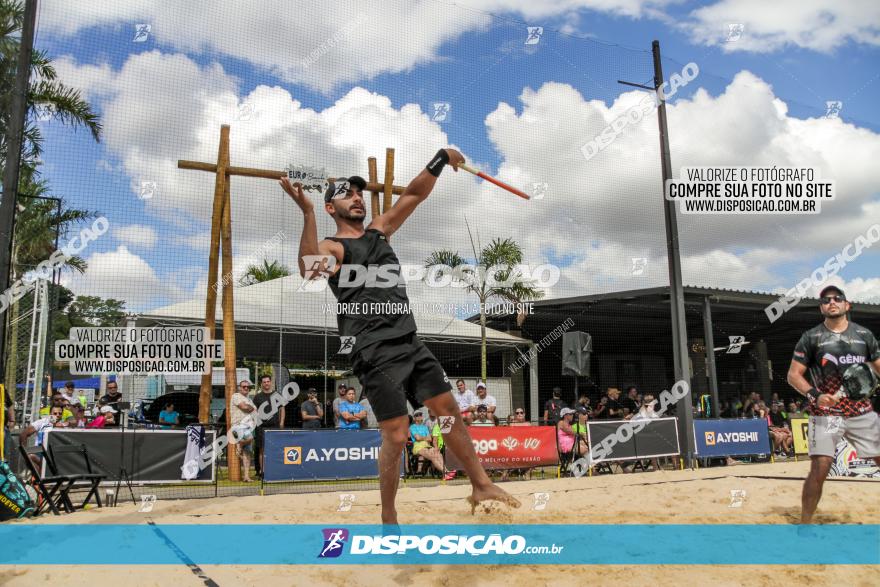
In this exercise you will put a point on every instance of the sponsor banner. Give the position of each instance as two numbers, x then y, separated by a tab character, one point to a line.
800	432
511	447
294	455
460	544
720	438
848	464
148	456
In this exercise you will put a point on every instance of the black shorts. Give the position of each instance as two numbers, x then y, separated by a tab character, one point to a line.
392	371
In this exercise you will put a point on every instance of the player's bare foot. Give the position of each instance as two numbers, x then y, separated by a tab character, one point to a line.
491	493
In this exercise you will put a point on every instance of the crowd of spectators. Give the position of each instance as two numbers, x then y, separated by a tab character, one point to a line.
478	408
67	409
779	416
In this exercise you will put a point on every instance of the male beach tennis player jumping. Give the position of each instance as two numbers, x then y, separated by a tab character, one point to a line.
388	358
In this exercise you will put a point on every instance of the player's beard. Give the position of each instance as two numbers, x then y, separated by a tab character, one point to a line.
357	215
840	312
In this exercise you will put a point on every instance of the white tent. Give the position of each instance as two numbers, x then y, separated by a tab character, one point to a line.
279	305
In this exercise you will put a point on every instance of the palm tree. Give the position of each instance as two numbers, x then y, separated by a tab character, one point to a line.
38	224
34	236
265	272
46	95
502	257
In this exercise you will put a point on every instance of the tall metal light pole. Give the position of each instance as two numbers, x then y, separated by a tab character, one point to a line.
681	363
14	137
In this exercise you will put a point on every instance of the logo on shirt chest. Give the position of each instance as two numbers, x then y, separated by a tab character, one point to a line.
841	360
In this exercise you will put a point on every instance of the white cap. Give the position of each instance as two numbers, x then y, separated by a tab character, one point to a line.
565	412
107	410
481	384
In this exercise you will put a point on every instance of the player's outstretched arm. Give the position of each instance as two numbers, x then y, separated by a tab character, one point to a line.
416	192
309	247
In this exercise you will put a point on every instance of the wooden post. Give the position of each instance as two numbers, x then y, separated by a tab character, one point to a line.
221	239
234	468
374	178
389	178
220	181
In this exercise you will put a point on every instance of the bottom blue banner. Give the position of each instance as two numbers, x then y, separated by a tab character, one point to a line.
442	544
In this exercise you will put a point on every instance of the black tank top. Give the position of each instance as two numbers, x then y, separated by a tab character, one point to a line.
375	308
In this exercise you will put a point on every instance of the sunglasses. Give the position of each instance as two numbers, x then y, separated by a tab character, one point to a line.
829	299
519	412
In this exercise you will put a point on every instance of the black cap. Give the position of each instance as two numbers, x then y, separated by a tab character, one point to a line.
355	180
828	288
70	384
557	391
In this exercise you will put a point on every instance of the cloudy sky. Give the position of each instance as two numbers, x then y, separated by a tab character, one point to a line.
328	84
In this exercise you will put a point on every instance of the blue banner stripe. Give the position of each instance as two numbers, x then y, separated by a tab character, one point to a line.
718	438
292	455
638	544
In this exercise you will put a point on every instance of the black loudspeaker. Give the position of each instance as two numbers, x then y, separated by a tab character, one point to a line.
280	375
576	349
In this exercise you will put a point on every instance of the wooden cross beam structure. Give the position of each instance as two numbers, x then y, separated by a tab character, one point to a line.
221	238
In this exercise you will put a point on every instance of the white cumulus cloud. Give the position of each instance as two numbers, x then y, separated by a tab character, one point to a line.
136	235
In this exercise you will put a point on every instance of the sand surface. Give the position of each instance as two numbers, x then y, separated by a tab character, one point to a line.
772	497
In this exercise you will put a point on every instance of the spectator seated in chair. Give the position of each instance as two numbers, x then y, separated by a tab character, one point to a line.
79	416
106	417
437	437
423	442
169	416
579	429
781	434
565	437
58	400
38	427
518	418
483	418
482	398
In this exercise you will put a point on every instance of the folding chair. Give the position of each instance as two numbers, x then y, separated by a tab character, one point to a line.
565	459
412	460
94	479
51	490
603	467
640	465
